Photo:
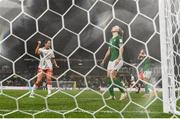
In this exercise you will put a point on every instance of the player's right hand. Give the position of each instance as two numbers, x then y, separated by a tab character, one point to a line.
39	42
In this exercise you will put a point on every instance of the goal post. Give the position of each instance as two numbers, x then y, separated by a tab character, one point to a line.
167	33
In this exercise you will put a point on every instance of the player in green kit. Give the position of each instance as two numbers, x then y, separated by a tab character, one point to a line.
115	51
146	73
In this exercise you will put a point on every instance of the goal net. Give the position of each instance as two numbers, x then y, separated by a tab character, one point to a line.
80	33
169	12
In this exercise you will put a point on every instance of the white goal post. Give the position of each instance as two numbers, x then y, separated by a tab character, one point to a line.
169	20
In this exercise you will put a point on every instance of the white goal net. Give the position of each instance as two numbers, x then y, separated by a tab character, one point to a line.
80	31
170	52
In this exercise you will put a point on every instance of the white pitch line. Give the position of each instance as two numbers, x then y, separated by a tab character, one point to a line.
6	110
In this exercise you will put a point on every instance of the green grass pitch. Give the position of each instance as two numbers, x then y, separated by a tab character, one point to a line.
63	104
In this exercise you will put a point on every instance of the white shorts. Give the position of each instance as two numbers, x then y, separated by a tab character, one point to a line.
147	74
112	66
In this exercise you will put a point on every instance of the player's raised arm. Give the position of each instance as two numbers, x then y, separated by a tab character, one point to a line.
37	52
105	57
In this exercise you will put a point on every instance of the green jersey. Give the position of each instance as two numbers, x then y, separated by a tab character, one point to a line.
147	65
115	43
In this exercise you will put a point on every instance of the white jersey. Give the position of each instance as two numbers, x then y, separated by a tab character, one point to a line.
45	58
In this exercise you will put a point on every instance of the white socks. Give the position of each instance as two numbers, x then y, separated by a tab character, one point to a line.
33	88
49	87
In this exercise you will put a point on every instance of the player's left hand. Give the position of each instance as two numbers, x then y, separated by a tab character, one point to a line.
117	61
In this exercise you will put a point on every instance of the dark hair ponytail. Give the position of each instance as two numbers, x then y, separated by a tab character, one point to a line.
45	41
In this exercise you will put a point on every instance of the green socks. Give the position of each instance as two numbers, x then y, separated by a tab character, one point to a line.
118	82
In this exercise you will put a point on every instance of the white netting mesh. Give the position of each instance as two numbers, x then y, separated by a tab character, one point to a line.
170	61
173	24
80	33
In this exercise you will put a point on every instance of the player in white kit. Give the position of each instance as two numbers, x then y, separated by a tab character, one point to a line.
47	59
